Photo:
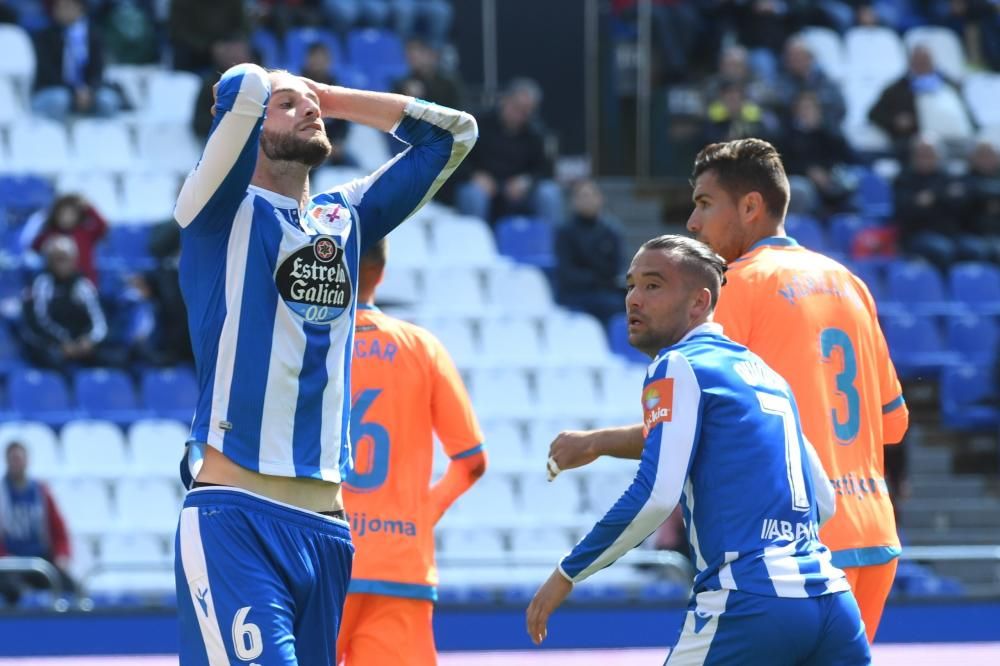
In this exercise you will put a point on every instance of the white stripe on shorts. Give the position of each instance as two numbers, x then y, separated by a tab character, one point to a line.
196	573
693	645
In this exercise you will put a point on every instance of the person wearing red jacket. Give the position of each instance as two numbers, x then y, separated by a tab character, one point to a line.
72	215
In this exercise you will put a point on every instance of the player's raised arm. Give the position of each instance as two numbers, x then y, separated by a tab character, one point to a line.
217	185
439	139
576	448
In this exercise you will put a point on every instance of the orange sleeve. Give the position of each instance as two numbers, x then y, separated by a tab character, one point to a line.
734	309
451	409
895	414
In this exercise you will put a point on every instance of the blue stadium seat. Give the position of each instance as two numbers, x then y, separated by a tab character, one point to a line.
170	393
298	41
974	337
23	195
40	395
916	346
977	285
526	240
104	393
970	398
871	274
268	48
618	340
10	351
126	247
807	231
918	288
379	54
874	197
844	227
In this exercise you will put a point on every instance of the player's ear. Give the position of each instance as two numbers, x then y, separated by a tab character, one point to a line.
751	205
702	303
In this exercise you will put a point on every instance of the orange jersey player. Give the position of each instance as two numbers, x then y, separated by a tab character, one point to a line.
405	389
815	323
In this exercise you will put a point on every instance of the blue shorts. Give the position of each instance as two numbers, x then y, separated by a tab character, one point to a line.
258	581
732	627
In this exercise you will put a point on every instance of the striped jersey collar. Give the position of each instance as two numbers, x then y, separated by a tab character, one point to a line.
275	199
770	241
365	306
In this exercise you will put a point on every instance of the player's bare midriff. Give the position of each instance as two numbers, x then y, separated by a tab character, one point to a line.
309	494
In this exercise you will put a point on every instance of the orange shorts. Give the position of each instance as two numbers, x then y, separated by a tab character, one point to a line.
871	587
377	630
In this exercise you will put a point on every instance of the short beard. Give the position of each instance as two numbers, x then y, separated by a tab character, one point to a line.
286	147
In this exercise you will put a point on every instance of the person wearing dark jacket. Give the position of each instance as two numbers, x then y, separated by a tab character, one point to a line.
69	77
982	186
588	257
509	172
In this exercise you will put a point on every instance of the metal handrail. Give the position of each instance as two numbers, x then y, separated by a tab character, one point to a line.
17	564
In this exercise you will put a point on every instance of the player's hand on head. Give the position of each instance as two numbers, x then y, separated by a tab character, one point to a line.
570	449
546	600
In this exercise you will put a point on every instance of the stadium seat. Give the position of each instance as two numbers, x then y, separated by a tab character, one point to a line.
330	177
871	274
99	188
400	286
944	44
44	454
874	196
981	92
916	346
104	393
490	502
970	398
501	393
132	550
603	489
554	503
504	442
11	107
526	240
618	340
101	145
148	506
576	338
448	291
157	447
457	337
974	337
977	285
10	351
39	146
874	53
40	395
85	504
520	290
917	287
93	449
827	49
132	79
368	146
568	391
807	231
471	542
149	198
18	61
379	54
168	148
409	246
170	393
22	194
844	227
126	248
299	40
543	429
621	388
512	343
540	542
171	99
463	241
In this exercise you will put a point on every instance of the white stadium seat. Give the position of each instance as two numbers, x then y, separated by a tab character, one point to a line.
132	549
449	291
557	502
602	490
471	542
504	440
503	393
827	50
156	447
93	449
621	388
542	542
170	148
400	285
543	429
874	53
567	392
463	241
576	338
85	504
98	188
149	198
512	343
409	246
171	99
457	337
83	555
943	44
147	505
521	290
490	501
18	61
982	93
101	145
11	108
330	177
41	442
132	79
368	146
39	146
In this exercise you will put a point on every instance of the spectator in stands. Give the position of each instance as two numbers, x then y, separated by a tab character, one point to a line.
70	215
425	79
589	256
130	32
510	172
928	205
196	26
69	77
924	101
801	74
676	26
30	525
977	22
733	116
281	15
319	67
64	322
734	69
815	156
430	19
226	52
170	342
982	194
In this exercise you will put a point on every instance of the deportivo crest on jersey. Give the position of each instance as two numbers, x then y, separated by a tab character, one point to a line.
333	218
314	281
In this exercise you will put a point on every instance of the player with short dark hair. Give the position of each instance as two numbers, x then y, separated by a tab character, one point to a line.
721	435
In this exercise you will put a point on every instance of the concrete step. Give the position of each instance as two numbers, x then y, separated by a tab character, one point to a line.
954	536
934	486
929	460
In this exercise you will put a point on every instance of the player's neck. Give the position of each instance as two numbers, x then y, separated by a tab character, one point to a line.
765	232
290	179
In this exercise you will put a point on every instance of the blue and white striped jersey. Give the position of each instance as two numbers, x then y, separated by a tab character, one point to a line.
270	290
723	438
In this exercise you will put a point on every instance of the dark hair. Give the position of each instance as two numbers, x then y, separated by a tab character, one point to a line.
747	165
695	258
15	445
66	201
377	254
